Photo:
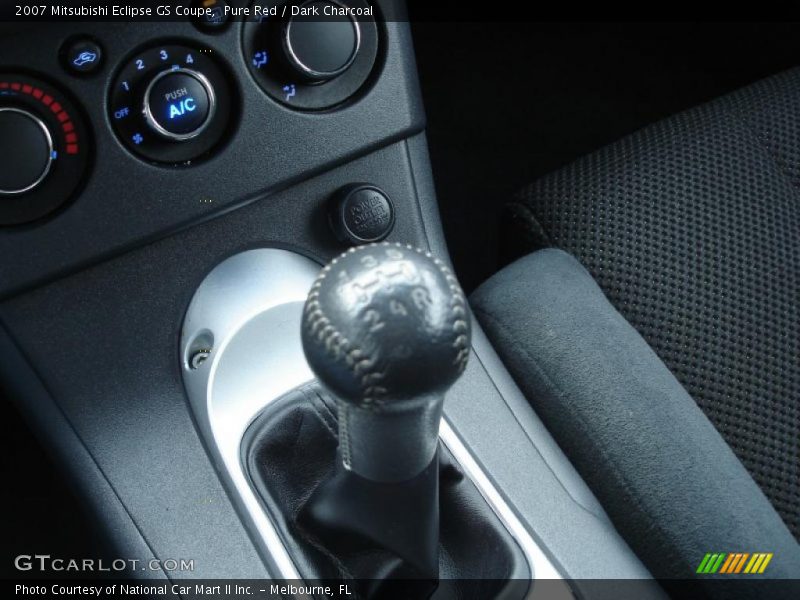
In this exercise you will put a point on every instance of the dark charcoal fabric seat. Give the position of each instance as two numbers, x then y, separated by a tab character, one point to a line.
691	228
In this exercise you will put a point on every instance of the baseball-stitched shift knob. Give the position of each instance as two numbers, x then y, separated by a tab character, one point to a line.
387	331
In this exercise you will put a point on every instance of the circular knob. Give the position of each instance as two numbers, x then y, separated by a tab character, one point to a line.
386	329
321	41
26	150
179	103
361	213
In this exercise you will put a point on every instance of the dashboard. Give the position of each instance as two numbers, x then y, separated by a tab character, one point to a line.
117	134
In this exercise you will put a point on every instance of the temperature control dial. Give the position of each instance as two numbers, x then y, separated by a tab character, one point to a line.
44	148
171	104
26	146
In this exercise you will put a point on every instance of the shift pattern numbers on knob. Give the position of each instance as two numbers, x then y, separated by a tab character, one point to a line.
386	322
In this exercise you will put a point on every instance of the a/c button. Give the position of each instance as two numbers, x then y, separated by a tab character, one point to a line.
179	103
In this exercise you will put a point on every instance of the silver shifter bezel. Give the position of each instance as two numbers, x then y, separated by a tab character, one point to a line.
240	350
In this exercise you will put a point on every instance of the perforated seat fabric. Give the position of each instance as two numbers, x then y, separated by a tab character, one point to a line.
692	229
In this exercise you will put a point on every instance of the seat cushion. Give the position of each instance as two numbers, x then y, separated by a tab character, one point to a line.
692	229
670	483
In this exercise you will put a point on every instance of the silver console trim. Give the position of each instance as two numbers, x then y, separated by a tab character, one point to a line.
541	567
244	323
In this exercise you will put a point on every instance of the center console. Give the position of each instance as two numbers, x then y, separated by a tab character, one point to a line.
182	184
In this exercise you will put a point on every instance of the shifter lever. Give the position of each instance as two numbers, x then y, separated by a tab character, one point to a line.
386	330
380	503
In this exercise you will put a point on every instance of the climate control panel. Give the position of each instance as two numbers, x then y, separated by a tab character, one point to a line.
174	101
171	104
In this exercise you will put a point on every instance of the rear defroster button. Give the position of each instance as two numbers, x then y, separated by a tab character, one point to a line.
179	103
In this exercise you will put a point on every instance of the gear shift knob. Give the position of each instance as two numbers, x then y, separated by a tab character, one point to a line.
386	329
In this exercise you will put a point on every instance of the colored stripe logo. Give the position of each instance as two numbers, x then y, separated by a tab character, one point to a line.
731	563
